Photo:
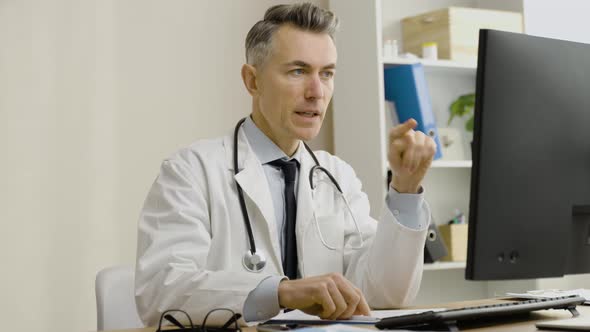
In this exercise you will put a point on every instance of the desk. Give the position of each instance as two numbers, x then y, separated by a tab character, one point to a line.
521	325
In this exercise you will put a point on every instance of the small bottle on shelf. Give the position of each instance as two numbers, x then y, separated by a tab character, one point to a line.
394	48
387	49
390	49
430	51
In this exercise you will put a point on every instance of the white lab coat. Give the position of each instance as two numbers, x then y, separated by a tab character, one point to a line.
192	236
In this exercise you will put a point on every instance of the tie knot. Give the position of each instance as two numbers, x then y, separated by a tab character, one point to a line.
289	167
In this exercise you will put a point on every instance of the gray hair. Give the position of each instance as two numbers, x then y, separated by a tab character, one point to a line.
305	16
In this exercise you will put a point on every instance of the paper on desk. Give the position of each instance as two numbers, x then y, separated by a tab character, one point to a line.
581	323
340	328
297	316
534	294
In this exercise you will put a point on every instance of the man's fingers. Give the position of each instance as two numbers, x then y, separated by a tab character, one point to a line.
411	150
408	159
351	297
353	303
329	296
328	305
362	308
338	299
431	148
402	149
401	129
419	151
398	149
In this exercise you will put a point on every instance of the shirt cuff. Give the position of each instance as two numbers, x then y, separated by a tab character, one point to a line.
262	302
407	208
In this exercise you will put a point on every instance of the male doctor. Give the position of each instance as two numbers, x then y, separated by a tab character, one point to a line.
194	248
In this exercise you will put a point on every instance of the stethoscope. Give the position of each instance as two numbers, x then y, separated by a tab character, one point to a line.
255	261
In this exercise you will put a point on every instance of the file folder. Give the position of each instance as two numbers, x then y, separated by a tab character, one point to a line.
405	86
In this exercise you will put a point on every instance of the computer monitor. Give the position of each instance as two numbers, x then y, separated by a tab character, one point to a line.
530	181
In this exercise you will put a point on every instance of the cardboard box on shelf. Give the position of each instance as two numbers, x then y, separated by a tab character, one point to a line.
455	30
455	237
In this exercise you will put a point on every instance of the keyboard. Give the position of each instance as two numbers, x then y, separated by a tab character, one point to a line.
454	317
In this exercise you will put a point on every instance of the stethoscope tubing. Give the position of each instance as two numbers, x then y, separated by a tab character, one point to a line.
241	193
252	260
247	223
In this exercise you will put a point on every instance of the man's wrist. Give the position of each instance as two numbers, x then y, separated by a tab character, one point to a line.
404	188
282	291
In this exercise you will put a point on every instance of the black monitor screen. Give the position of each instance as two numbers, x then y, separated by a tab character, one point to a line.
530	182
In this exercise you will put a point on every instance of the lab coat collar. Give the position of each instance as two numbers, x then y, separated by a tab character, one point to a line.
252	180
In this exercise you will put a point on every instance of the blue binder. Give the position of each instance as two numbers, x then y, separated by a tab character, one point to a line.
405	86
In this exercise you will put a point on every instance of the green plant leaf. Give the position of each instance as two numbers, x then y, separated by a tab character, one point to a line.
456	110
470	123
468	99
462	106
450	119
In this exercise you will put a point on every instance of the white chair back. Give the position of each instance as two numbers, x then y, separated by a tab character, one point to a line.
115	300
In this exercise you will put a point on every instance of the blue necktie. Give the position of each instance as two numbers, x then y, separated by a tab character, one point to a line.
289	169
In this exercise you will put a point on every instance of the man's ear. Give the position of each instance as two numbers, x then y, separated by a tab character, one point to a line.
249	77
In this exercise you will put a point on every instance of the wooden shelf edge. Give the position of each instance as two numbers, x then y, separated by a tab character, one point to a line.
439	266
434	64
452	164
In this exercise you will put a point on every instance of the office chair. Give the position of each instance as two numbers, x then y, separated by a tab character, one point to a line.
115	300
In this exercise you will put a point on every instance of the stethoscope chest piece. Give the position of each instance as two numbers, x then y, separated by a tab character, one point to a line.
253	262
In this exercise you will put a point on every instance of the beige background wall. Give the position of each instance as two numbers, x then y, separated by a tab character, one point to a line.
93	95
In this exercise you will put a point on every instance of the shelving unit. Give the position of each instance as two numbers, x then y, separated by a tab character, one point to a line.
434	66
447	183
360	108
362	122
361	125
444	266
451	164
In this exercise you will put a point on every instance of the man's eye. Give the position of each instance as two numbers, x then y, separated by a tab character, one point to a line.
328	74
297	72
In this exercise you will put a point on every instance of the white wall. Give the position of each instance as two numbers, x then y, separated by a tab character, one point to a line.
564	19
509	5
93	95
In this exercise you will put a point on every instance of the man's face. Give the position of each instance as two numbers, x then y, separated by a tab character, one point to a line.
296	84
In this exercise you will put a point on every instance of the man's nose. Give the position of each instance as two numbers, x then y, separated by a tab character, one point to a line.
314	88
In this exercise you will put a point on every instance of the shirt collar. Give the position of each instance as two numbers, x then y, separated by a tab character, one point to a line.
264	148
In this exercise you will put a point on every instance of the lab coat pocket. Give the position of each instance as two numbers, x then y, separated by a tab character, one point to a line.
321	257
